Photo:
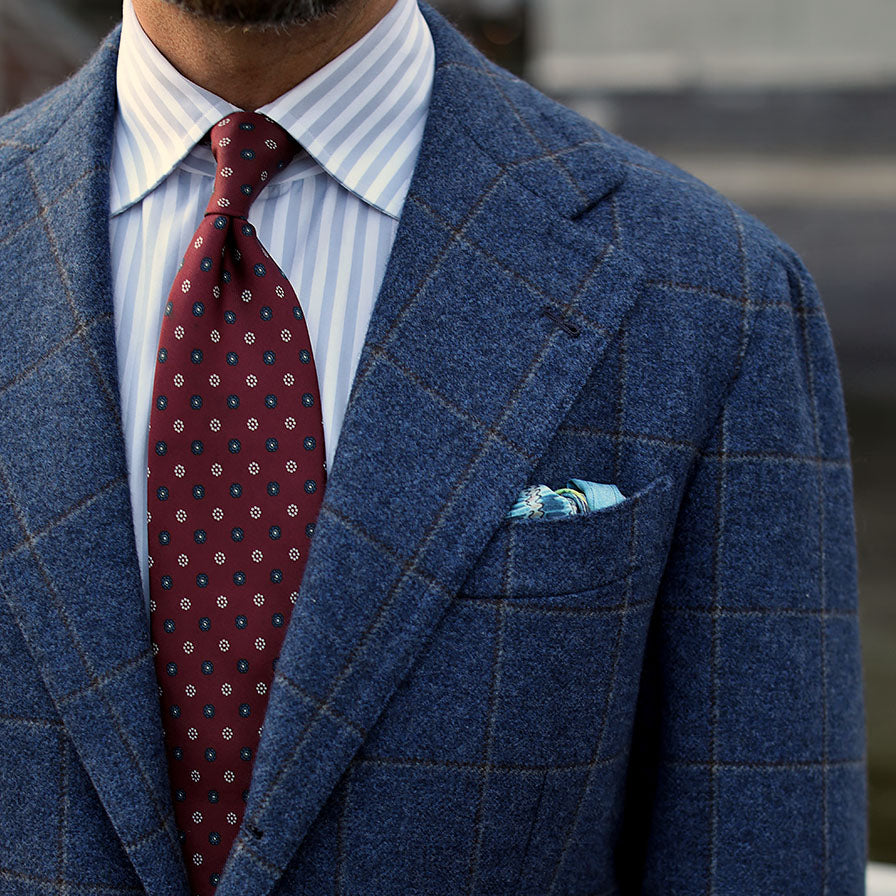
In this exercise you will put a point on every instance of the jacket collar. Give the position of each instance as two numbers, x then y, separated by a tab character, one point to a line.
465	375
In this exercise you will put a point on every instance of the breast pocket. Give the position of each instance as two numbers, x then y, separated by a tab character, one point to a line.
556	614
578	557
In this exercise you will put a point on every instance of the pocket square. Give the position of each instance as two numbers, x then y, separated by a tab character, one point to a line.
577	496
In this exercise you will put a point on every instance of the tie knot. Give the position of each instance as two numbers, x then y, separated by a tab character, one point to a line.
249	149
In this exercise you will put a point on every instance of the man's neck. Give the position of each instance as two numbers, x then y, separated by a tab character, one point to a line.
251	68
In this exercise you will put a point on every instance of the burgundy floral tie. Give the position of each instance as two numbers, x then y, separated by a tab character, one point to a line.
236	477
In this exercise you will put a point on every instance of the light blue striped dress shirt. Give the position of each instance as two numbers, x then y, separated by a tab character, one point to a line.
329	218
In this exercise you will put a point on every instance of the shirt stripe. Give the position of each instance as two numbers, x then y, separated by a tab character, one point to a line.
329	219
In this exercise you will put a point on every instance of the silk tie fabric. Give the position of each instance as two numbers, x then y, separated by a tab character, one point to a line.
236	473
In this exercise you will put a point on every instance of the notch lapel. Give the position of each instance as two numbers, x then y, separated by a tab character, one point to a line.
496	306
68	569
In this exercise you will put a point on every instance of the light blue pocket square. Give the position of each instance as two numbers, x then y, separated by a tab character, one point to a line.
577	496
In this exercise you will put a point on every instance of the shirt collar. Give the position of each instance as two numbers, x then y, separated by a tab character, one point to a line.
360	117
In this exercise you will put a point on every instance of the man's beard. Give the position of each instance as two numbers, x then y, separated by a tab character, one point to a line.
255	14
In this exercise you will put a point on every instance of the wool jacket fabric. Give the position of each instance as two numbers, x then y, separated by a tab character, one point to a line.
662	696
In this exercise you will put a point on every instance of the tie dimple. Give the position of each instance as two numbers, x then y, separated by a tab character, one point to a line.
235	480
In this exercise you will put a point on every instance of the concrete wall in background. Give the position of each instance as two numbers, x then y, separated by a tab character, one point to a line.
40	44
712	40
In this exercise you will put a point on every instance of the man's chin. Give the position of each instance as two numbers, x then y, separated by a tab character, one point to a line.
261	14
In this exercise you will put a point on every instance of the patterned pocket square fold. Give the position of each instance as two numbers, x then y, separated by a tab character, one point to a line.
576	497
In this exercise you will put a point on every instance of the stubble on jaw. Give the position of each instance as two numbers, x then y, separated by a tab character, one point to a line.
263	15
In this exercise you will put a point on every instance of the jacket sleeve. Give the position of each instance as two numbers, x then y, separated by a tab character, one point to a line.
748	758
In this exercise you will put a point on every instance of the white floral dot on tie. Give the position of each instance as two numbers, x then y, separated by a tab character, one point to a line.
224	646
261	688
227	733
229	777
295	554
259	643
181	516
178	380
251	381
188	647
192	733
182	559
253	468
252	423
222	601
257	556
197	243
185	603
258	600
219	558
218	514
291	466
288	379
197	857
190	690
249	337
197	819
255	512
285	335
231	818
292	510
280	292
214	380
226	689
226	171
214	424
290	422
246	295
180	471
215	336
178	425
217	469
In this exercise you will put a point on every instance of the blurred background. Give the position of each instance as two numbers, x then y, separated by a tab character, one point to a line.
787	106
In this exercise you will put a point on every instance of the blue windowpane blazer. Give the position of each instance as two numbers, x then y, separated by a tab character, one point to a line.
659	697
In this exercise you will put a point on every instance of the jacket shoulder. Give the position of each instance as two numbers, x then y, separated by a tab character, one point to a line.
685	231
679	228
